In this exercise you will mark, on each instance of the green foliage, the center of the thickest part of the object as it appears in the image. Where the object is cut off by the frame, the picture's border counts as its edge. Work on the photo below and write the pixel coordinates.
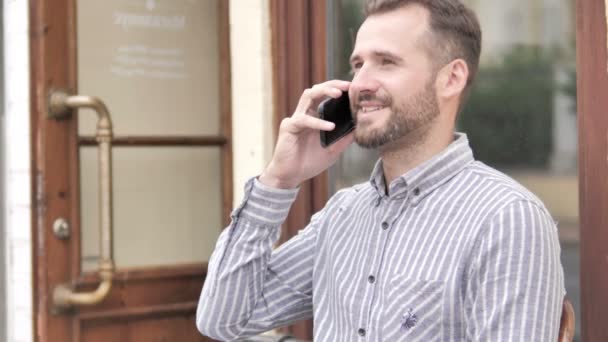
(508, 117)
(350, 18)
(569, 87)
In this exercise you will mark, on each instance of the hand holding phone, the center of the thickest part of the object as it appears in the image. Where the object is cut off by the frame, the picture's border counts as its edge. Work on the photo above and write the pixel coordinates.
(298, 156)
(336, 111)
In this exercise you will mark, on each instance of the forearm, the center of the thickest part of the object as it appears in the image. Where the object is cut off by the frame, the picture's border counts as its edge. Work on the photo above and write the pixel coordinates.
(237, 268)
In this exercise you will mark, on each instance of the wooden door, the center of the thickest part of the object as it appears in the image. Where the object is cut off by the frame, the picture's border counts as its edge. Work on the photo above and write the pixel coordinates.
(162, 70)
(592, 72)
(299, 55)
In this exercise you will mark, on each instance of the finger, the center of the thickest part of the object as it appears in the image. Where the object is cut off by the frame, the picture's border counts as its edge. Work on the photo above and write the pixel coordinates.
(315, 95)
(340, 84)
(312, 95)
(311, 122)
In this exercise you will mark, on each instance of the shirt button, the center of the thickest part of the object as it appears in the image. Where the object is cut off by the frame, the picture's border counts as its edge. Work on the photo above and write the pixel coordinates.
(416, 191)
(385, 225)
(361, 332)
(371, 279)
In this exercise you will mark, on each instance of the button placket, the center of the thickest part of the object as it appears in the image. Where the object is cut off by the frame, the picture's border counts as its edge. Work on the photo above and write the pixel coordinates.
(390, 209)
(383, 208)
(393, 210)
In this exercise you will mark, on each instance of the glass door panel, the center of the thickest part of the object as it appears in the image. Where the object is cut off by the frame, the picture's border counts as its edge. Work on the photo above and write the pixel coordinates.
(155, 63)
(167, 205)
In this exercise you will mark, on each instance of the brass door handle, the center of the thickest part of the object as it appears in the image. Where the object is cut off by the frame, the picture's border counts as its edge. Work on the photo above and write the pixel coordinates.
(60, 106)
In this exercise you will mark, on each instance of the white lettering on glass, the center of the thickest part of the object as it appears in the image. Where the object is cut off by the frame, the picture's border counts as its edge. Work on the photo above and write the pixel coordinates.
(145, 21)
(143, 61)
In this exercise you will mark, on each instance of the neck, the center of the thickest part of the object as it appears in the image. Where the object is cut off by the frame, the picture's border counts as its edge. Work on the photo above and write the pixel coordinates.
(412, 150)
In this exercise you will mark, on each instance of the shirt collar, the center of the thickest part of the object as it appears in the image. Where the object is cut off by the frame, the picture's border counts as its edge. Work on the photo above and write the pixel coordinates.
(426, 177)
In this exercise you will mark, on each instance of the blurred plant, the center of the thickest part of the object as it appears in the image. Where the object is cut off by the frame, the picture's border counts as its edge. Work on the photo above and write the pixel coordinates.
(508, 117)
(350, 17)
(569, 87)
(567, 61)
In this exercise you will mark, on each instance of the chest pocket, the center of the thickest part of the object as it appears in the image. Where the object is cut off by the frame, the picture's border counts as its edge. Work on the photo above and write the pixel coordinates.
(413, 310)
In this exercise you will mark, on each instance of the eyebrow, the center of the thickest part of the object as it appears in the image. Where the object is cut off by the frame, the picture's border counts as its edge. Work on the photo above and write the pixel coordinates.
(377, 53)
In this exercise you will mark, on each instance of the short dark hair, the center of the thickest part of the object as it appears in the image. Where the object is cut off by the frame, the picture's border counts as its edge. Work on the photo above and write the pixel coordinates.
(454, 30)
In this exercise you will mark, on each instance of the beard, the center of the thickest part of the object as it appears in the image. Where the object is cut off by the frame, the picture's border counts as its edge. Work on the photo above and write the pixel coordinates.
(404, 118)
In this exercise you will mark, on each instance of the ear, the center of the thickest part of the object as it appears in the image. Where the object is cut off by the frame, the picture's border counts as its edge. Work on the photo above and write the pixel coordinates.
(452, 79)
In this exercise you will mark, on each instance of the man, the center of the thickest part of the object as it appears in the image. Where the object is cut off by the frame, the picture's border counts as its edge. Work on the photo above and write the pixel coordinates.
(435, 247)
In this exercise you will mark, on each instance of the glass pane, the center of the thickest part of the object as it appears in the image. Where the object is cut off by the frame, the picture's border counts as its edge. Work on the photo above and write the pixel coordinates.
(526, 129)
(167, 205)
(529, 129)
(154, 63)
(356, 163)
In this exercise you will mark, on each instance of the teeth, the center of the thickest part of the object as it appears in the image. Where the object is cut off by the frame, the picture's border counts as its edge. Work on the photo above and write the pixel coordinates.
(370, 109)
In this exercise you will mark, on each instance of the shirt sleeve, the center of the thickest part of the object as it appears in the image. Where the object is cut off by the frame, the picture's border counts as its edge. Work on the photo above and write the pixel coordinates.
(516, 284)
(250, 288)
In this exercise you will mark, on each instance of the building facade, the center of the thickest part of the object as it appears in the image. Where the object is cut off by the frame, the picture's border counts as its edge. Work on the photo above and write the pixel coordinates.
(195, 91)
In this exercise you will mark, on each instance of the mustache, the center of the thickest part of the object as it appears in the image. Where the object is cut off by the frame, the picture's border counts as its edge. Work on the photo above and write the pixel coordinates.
(384, 100)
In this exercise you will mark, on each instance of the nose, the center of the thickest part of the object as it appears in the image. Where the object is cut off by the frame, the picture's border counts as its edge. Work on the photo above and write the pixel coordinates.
(364, 82)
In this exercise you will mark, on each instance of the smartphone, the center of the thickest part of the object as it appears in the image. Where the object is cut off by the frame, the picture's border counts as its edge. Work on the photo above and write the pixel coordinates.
(338, 112)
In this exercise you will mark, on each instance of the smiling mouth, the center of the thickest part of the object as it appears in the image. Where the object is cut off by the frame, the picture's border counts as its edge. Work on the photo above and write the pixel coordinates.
(366, 110)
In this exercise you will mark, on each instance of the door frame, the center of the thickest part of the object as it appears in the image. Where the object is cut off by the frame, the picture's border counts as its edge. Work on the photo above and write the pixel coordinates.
(592, 85)
(55, 190)
(299, 61)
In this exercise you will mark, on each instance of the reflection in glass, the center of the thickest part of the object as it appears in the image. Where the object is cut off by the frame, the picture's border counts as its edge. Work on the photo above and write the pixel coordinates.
(154, 63)
(167, 207)
(521, 114)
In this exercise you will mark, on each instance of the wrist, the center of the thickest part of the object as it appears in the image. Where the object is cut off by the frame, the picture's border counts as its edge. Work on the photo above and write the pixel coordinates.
(272, 181)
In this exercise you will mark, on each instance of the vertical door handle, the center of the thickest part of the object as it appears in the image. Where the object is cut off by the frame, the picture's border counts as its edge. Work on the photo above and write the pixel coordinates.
(60, 106)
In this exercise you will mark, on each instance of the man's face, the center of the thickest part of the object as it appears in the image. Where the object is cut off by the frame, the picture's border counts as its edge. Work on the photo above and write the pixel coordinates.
(393, 89)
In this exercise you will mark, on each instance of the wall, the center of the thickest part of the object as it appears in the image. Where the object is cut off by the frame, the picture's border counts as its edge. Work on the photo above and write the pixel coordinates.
(2, 189)
(252, 104)
(16, 175)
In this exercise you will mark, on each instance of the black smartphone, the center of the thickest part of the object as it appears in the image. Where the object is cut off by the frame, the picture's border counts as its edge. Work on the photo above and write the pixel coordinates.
(338, 112)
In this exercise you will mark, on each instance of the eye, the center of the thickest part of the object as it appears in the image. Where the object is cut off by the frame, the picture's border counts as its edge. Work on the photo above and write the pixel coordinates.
(386, 61)
(355, 67)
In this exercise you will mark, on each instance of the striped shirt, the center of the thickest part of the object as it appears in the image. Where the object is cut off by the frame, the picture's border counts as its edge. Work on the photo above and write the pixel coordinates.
(456, 251)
